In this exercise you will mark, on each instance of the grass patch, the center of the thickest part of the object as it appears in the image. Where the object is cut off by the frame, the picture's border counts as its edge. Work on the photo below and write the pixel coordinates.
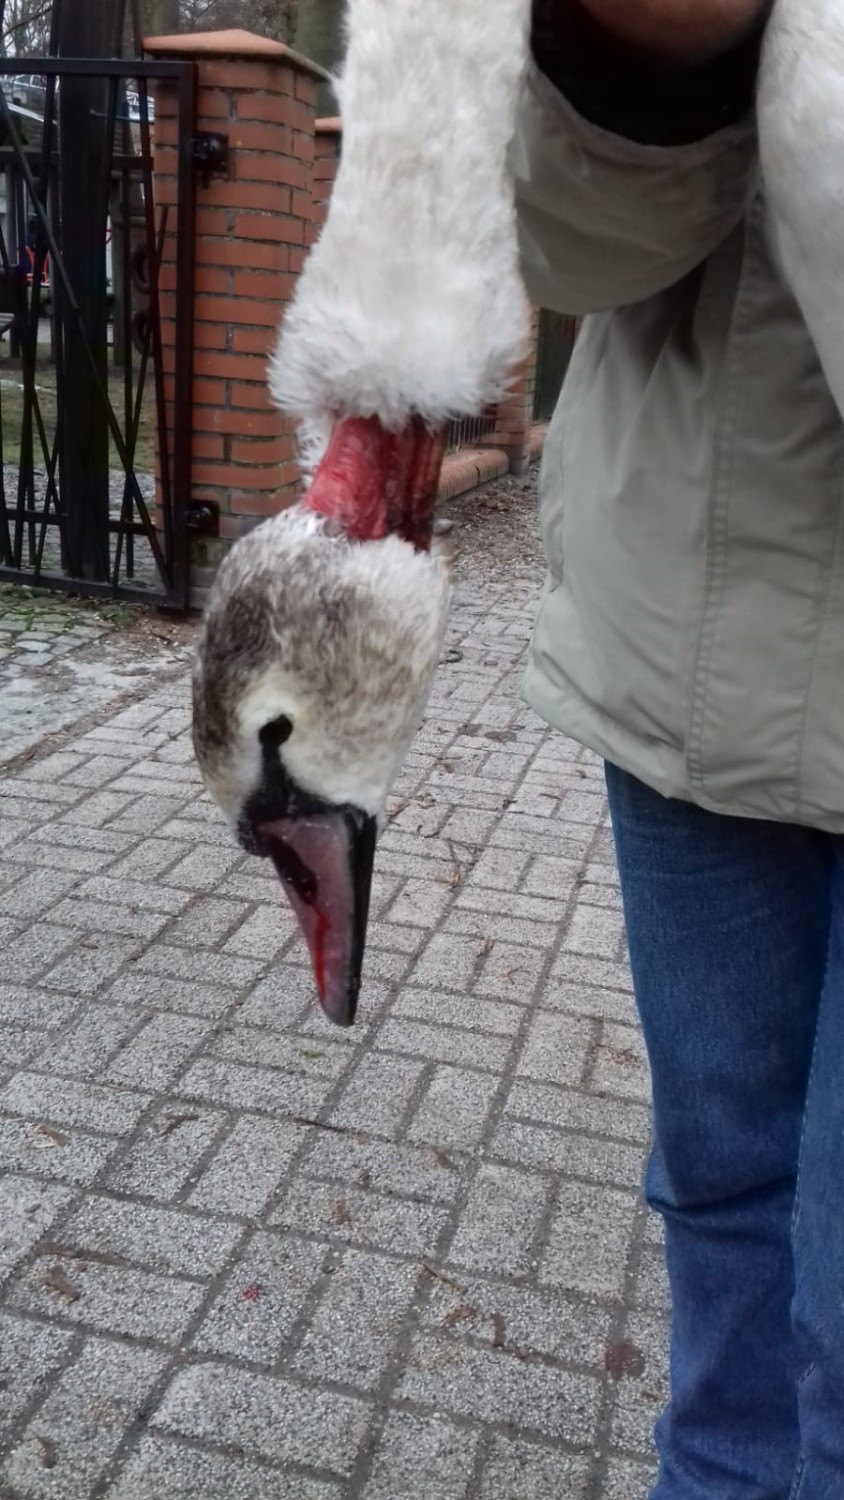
(12, 404)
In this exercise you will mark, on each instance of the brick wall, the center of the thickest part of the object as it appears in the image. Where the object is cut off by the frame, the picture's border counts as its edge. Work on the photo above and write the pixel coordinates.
(327, 144)
(253, 227)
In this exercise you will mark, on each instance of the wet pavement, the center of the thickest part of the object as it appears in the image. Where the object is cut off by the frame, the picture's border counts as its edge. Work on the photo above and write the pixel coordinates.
(244, 1256)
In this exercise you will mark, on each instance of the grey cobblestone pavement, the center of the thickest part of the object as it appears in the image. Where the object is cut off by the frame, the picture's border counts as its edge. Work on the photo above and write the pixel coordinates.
(244, 1256)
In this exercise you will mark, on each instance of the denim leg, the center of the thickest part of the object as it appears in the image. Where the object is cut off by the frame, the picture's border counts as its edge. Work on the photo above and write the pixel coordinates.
(728, 926)
(819, 1235)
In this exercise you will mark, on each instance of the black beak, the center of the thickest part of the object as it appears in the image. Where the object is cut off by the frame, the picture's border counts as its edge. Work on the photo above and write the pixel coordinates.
(324, 861)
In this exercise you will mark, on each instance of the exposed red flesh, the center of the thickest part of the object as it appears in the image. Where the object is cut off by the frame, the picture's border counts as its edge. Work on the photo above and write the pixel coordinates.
(326, 871)
(373, 482)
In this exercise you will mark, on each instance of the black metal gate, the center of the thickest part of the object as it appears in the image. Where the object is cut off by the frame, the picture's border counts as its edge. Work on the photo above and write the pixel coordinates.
(84, 382)
(555, 341)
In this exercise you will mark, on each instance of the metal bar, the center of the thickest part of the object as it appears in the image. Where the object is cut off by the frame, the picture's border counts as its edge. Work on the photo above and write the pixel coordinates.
(165, 476)
(100, 67)
(185, 287)
(60, 583)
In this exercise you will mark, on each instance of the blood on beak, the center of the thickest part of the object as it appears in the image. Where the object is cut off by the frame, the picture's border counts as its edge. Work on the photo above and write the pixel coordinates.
(324, 861)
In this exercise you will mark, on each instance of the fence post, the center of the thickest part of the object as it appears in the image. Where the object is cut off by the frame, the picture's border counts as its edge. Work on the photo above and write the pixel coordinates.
(252, 227)
(514, 418)
(328, 145)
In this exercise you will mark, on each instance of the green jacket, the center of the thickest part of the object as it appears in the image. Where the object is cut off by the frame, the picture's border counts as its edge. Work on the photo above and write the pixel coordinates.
(692, 624)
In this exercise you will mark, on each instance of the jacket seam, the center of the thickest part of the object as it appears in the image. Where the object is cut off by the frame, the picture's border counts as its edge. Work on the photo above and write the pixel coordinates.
(720, 495)
(823, 621)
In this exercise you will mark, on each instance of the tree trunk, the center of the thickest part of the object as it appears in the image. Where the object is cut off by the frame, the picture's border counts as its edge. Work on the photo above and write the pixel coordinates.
(319, 36)
(161, 17)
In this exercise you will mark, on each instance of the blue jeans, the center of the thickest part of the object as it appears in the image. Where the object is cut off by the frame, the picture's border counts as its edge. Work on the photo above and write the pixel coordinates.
(736, 933)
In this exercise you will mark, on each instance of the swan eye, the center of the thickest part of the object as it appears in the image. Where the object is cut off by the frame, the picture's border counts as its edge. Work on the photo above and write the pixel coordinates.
(274, 734)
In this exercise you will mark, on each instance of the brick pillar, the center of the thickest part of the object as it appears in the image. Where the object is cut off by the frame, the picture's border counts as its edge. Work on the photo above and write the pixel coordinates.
(515, 414)
(327, 147)
(253, 225)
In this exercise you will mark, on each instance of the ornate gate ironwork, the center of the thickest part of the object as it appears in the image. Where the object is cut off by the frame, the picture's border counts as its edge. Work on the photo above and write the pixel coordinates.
(555, 342)
(84, 385)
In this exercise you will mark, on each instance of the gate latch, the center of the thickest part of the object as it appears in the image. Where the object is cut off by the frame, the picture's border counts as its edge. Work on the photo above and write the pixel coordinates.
(209, 153)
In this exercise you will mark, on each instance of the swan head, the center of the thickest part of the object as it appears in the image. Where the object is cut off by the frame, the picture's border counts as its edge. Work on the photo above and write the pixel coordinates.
(314, 664)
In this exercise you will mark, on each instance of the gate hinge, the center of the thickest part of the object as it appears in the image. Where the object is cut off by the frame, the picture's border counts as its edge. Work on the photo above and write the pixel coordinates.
(203, 518)
(209, 153)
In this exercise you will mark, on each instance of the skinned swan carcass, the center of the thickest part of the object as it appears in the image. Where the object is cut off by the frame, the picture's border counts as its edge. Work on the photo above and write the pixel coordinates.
(325, 623)
(801, 138)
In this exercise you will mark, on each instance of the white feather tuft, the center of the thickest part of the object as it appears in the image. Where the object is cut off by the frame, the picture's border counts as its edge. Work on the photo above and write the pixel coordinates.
(411, 302)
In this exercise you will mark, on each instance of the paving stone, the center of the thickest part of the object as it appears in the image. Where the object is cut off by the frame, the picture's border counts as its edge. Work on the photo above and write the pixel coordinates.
(448, 962)
(492, 1385)
(83, 1420)
(447, 1044)
(279, 1001)
(207, 922)
(422, 903)
(27, 1006)
(95, 957)
(289, 1054)
(526, 1320)
(361, 1217)
(160, 1239)
(594, 930)
(621, 1064)
(98, 916)
(163, 1157)
(146, 991)
(378, 1095)
(406, 1171)
(627, 1480)
(271, 1416)
(556, 1049)
(463, 922)
(453, 1111)
(420, 1458)
(527, 1471)
(652, 1282)
(65, 1102)
(544, 1149)
(153, 1057)
(510, 973)
(499, 1222)
(232, 1086)
(27, 954)
(590, 1000)
(67, 1155)
(109, 1298)
(30, 1353)
(27, 1209)
(576, 1110)
(136, 895)
(584, 969)
(475, 1012)
(219, 969)
(248, 1166)
(590, 1240)
(266, 932)
(160, 1467)
(640, 1399)
(358, 1320)
(89, 1044)
(31, 895)
(262, 1297)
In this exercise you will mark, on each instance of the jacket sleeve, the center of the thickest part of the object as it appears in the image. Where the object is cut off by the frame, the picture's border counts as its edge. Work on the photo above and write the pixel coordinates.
(604, 220)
